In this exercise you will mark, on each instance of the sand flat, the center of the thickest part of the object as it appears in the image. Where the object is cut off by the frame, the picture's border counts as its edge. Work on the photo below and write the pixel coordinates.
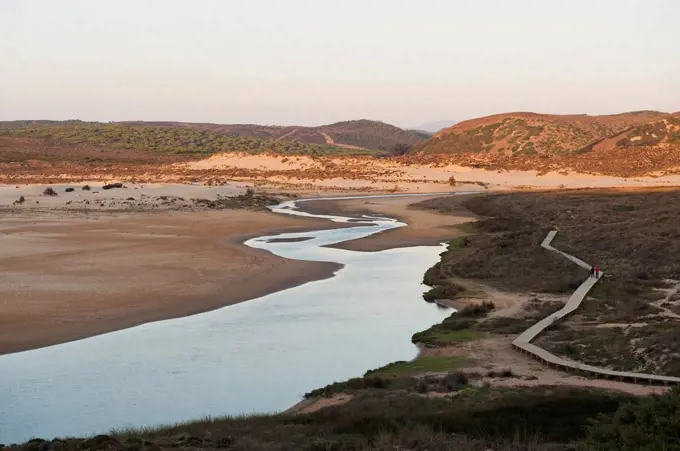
(68, 276)
(425, 227)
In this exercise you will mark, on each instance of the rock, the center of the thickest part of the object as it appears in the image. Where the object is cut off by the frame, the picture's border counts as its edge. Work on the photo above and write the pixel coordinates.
(70, 190)
(130, 198)
(112, 185)
(86, 188)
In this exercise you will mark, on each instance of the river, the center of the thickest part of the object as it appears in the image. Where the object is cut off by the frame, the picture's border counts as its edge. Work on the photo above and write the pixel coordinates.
(257, 356)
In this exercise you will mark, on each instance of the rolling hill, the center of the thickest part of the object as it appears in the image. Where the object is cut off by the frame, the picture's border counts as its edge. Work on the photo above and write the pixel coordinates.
(358, 134)
(632, 143)
(362, 137)
(530, 133)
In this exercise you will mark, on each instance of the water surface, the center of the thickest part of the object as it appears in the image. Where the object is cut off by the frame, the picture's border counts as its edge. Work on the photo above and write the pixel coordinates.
(257, 356)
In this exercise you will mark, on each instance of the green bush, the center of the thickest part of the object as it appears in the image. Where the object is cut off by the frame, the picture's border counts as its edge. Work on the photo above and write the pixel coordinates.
(650, 423)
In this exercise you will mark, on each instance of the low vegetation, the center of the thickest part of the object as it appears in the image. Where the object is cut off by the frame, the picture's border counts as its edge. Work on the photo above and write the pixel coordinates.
(650, 423)
(628, 321)
(373, 135)
(362, 137)
(476, 419)
(529, 141)
(167, 140)
(457, 328)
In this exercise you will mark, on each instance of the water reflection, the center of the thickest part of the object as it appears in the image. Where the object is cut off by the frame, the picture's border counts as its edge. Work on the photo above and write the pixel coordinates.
(258, 356)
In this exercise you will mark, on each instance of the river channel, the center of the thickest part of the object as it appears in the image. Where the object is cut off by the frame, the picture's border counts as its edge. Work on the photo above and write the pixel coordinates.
(257, 356)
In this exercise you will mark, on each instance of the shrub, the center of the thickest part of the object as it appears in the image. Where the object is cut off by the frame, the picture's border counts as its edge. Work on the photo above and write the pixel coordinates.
(49, 191)
(507, 373)
(455, 380)
(86, 188)
(477, 310)
(650, 423)
(112, 185)
(452, 181)
(448, 291)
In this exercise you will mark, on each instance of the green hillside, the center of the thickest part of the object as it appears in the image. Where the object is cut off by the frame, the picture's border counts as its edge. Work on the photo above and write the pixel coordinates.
(163, 139)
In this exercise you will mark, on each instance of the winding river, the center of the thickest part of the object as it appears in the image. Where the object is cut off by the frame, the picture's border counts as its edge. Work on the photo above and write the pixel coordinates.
(257, 356)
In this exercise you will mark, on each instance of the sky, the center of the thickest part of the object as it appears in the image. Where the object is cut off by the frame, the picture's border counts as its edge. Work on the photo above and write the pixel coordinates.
(311, 62)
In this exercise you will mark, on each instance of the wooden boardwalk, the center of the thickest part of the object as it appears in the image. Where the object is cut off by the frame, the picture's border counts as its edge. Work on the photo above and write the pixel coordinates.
(523, 342)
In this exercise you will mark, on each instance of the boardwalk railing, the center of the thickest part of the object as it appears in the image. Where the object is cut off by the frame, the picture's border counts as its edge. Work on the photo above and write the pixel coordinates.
(523, 342)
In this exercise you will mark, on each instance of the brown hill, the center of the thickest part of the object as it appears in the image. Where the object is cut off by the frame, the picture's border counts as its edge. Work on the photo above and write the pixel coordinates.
(530, 133)
(358, 134)
(623, 144)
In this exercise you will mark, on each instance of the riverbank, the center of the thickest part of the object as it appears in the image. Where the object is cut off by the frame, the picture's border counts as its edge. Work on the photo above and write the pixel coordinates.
(484, 275)
(85, 262)
(69, 275)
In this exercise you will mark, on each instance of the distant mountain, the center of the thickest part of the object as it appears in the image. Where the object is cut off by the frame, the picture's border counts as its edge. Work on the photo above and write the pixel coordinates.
(436, 126)
(357, 134)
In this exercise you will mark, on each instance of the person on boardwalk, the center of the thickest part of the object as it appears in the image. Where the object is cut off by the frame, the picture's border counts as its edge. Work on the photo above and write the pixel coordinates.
(592, 271)
(597, 272)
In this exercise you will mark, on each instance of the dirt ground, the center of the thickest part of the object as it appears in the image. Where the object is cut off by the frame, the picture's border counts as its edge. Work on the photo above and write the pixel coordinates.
(495, 353)
(70, 275)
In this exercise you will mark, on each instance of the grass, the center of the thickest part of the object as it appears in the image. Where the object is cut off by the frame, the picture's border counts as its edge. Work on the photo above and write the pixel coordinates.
(477, 419)
(468, 227)
(438, 337)
(460, 327)
(427, 364)
(632, 236)
(173, 140)
(395, 375)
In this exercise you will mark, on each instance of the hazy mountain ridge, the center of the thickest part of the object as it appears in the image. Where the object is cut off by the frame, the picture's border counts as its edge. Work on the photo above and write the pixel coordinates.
(435, 126)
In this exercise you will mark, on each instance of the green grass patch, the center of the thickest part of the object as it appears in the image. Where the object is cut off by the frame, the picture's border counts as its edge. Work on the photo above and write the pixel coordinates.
(468, 227)
(428, 364)
(438, 337)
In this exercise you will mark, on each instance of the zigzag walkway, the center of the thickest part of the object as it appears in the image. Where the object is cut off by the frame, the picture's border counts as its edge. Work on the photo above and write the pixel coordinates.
(523, 342)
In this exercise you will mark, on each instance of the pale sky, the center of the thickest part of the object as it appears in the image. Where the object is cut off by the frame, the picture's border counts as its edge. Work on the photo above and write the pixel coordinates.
(311, 62)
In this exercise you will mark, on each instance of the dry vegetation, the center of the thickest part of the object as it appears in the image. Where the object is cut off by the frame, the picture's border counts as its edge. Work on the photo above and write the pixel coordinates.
(350, 137)
(589, 144)
(475, 420)
(628, 322)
